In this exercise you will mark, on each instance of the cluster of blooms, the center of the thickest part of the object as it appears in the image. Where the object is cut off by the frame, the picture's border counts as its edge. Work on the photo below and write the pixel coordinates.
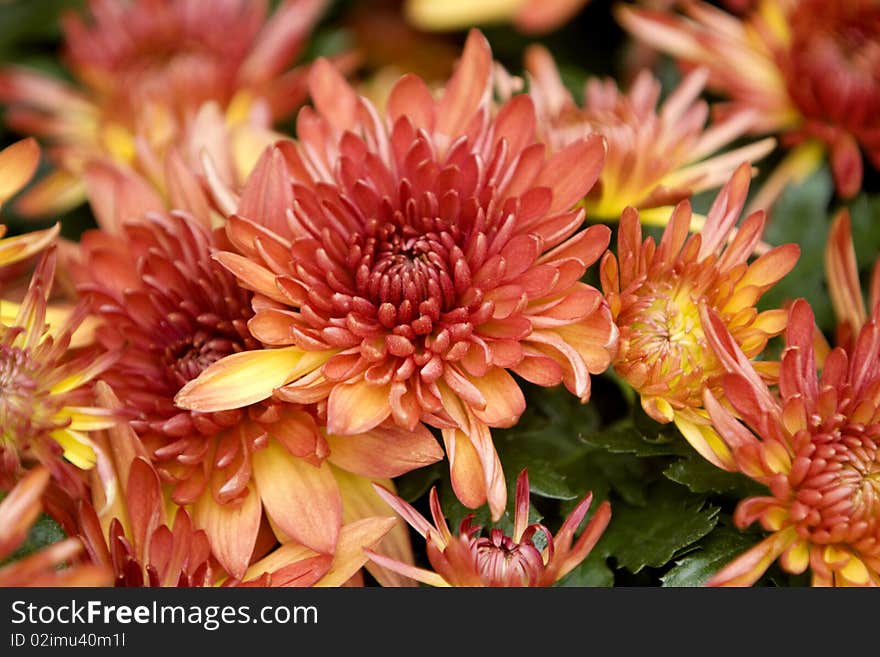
(265, 330)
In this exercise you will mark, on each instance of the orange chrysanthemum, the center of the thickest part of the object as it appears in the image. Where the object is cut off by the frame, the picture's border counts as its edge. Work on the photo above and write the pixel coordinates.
(655, 292)
(173, 311)
(46, 398)
(810, 68)
(657, 156)
(404, 265)
(130, 530)
(471, 559)
(146, 70)
(816, 446)
(54, 565)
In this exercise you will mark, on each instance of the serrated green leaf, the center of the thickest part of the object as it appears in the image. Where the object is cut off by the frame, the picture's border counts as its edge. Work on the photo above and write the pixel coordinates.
(654, 534)
(627, 439)
(714, 552)
(700, 476)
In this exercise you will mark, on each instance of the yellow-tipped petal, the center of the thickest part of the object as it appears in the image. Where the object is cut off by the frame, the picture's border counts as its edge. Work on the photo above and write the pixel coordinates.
(246, 378)
(354, 538)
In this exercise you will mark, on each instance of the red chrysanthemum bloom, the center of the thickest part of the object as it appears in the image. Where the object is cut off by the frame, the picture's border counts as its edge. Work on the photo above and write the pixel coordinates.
(47, 406)
(655, 292)
(129, 530)
(173, 311)
(811, 68)
(471, 559)
(145, 70)
(657, 155)
(414, 261)
(815, 444)
(58, 564)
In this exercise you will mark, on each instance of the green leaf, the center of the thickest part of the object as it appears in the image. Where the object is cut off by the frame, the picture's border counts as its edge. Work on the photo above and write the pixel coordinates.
(652, 535)
(593, 572)
(412, 485)
(45, 531)
(714, 552)
(801, 216)
(625, 438)
(700, 476)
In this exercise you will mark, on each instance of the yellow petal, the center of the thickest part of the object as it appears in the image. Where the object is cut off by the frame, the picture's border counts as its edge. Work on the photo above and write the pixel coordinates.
(77, 448)
(247, 377)
(350, 554)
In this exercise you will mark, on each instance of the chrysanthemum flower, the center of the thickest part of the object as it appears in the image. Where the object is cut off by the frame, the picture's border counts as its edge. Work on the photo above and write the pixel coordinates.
(810, 69)
(471, 559)
(173, 311)
(655, 292)
(144, 69)
(145, 542)
(816, 446)
(844, 284)
(657, 156)
(404, 265)
(527, 16)
(55, 565)
(18, 162)
(46, 396)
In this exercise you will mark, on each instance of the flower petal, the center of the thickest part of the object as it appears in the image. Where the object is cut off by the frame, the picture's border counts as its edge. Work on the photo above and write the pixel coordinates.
(302, 500)
(246, 378)
(231, 528)
(386, 451)
(357, 407)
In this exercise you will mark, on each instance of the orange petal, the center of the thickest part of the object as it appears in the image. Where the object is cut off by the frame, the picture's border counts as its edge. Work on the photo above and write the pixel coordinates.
(351, 554)
(360, 500)
(504, 399)
(302, 500)
(468, 87)
(748, 567)
(357, 407)
(18, 163)
(386, 451)
(232, 528)
(267, 194)
(573, 171)
(334, 98)
(54, 194)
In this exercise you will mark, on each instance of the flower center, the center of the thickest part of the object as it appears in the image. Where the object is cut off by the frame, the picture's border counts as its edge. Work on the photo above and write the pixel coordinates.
(503, 562)
(841, 502)
(666, 333)
(18, 390)
(185, 359)
(405, 264)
